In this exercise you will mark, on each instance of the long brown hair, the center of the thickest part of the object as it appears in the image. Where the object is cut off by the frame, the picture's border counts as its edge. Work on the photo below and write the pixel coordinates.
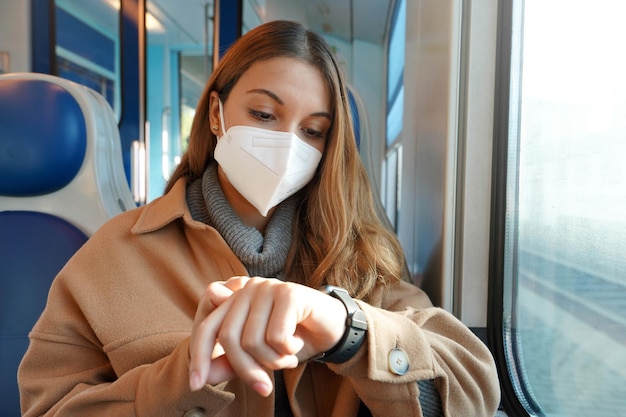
(338, 237)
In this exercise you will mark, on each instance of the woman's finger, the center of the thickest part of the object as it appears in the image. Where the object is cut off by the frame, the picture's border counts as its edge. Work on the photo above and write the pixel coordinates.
(256, 339)
(221, 370)
(246, 364)
(236, 283)
(203, 341)
(214, 295)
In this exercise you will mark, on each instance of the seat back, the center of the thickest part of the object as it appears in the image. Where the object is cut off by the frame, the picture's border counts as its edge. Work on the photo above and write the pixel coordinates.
(61, 178)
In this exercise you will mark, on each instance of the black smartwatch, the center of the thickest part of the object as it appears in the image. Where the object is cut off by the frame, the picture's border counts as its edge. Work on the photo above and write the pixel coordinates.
(356, 328)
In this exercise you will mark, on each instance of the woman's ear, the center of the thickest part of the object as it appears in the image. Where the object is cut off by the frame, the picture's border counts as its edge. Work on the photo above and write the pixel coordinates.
(214, 113)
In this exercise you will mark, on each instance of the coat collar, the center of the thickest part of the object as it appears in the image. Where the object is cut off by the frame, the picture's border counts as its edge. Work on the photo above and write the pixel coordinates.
(166, 209)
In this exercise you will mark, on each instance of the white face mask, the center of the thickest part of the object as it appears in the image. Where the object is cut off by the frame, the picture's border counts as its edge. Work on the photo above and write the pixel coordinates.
(265, 166)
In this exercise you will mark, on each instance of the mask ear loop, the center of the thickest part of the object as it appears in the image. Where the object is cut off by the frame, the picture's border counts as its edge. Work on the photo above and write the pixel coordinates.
(221, 111)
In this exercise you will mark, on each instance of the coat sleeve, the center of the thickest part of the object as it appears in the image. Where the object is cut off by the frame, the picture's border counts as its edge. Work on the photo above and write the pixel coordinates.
(83, 361)
(438, 347)
(86, 384)
(66, 373)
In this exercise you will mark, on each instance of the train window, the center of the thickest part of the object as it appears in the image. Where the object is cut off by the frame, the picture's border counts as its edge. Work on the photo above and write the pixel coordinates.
(87, 46)
(178, 63)
(564, 292)
(395, 112)
(253, 14)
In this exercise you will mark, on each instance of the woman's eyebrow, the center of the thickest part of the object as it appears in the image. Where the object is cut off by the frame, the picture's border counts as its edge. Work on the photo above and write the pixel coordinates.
(323, 114)
(268, 93)
(282, 103)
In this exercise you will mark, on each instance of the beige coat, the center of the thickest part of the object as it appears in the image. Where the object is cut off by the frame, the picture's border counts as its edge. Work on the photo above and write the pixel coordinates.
(113, 339)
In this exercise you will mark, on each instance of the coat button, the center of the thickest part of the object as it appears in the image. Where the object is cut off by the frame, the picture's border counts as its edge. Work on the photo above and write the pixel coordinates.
(398, 361)
(195, 412)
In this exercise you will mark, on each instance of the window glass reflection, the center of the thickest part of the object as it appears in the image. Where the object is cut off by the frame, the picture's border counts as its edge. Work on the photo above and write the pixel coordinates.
(178, 63)
(566, 232)
(392, 168)
(87, 45)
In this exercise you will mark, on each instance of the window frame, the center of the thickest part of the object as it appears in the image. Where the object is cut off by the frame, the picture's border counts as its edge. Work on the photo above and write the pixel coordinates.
(495, 317)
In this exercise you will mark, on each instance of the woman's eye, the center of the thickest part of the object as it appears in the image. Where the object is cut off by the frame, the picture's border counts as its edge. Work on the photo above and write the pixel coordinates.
(313, 133)
(259, 115)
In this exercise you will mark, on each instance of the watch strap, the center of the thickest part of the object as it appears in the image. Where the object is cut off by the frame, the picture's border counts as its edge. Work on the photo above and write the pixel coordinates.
(356, 329)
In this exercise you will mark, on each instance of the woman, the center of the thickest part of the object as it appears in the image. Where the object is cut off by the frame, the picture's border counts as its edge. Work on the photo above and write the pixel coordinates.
(207, 301)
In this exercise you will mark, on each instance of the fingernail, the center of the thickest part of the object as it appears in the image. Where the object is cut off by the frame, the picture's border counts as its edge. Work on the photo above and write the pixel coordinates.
(262, 388)
(293, 363)
(195, 381)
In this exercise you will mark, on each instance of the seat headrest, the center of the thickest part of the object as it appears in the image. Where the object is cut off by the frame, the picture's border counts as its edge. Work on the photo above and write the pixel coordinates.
(42, 137)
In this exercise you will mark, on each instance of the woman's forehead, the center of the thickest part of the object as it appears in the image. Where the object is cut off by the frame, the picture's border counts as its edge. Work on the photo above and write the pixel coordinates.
(286, 79)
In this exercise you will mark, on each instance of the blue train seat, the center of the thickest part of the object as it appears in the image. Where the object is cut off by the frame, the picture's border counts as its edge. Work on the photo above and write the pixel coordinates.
(61, 178)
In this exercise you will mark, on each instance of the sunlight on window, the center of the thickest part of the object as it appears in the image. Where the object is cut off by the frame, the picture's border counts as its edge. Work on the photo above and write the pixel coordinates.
(568, 234)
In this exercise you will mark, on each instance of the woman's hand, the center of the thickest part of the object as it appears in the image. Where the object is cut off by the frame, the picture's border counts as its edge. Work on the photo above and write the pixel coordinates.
(245, 326)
